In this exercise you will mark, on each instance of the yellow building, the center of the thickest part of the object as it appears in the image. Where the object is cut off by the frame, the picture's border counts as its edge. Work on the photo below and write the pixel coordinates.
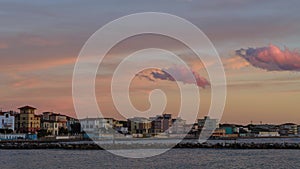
(27, 121)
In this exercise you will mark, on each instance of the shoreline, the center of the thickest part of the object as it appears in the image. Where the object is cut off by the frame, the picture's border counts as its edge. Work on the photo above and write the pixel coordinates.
(90, 145)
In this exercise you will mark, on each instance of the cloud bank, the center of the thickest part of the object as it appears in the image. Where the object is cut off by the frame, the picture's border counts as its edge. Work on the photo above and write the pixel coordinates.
(272, 58)
(180, 72)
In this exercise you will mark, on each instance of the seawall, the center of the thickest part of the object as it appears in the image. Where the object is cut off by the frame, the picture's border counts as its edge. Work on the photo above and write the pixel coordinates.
(93, 146)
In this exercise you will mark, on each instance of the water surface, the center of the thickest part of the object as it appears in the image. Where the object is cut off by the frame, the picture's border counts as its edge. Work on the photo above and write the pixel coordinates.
(175, 158)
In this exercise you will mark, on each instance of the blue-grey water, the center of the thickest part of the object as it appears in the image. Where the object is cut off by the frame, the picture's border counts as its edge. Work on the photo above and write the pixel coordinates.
(175, 158)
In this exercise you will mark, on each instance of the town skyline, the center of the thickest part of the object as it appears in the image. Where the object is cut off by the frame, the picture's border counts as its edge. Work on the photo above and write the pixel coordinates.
(122, 119)
(27, 124)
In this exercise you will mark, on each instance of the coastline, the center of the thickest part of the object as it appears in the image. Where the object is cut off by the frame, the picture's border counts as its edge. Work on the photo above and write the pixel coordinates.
(252, 143)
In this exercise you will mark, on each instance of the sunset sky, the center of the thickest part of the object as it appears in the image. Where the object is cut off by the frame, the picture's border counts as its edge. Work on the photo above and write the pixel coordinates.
(258, 42)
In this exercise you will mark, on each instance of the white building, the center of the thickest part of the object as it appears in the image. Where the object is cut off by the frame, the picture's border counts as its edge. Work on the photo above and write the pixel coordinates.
(268, 134)
(7, 121)
(97, 126)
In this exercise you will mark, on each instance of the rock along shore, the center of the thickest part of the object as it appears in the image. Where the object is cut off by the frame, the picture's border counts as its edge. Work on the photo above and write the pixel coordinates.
(93, 146)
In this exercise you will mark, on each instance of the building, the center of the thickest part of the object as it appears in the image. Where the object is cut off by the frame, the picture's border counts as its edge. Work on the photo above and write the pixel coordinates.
(121, 127)
(161, 124)
(97, 127)
(54, 124)
(288, 129)
(193, 130)
(178, 126)
(27, 121)
(60, 119)
(12, 136)
(7, 121)
(207, 124)
(244, 132)
(268, 134)
(73, 125)
(219, 132)
(229, 128)
(48, 125)
(51, 127)
(139, 126)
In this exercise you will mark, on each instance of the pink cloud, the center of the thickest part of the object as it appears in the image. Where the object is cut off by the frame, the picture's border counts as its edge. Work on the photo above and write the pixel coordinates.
(181, 73)
(272, 58)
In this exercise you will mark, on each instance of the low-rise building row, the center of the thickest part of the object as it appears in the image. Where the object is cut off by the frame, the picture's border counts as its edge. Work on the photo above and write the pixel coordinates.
(26, 121)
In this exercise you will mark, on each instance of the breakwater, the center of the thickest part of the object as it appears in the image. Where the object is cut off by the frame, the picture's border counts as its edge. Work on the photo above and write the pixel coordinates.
(93, 146)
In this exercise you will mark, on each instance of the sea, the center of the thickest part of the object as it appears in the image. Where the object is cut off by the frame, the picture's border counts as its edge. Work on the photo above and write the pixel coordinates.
(171, 159)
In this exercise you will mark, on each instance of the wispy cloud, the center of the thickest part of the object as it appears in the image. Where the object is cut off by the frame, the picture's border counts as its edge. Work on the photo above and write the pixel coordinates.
(26, 83)
(37, 66)
(272, 58)
(35, 40)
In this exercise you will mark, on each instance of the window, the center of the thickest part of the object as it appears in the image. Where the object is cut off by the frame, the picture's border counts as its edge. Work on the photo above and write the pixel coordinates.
(7, 115)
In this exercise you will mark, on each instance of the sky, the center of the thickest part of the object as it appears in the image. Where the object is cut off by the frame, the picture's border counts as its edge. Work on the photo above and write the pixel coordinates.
(258, 42)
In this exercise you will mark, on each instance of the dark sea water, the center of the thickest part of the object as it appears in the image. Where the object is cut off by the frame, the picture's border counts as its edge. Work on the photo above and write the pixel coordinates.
(175, 158)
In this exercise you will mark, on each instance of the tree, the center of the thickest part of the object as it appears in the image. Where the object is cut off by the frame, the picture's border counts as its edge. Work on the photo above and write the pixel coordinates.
(75, 128)
(6, 131)
(42, 133)
(62, 131)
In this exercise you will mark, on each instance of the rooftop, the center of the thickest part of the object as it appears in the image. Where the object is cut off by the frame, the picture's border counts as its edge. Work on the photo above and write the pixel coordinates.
(26, 108)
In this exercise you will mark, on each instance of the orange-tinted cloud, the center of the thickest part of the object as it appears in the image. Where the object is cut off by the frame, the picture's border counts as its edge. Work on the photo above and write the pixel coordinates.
(272, 58)
(235, 62)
